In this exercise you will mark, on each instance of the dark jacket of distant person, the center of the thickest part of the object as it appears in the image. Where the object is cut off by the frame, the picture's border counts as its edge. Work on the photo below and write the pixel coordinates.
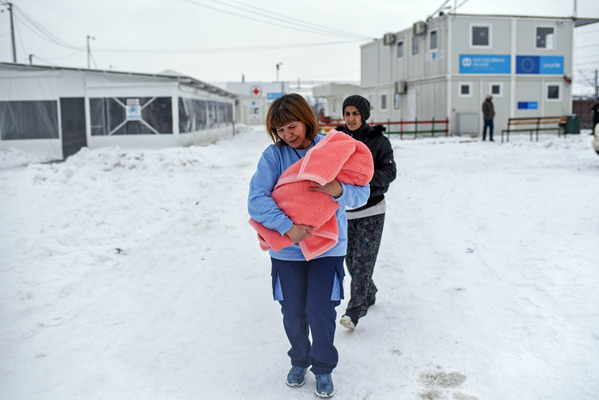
(385, 170)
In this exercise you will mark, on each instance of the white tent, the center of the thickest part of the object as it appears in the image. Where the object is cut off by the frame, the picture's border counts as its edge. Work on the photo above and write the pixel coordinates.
(56, 111)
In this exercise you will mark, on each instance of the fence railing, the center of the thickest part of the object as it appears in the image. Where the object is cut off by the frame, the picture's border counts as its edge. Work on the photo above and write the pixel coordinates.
(401, 128)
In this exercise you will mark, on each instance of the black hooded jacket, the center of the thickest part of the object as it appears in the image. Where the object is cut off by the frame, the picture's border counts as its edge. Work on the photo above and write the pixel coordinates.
(382, 155)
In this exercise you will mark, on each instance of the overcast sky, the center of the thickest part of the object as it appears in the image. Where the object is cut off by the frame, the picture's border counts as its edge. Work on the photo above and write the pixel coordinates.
(217, 41)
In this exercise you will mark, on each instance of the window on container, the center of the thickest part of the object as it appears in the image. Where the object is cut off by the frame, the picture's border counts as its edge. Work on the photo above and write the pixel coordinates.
(553, 92)
(383, 102)
(192, 115)
(434, 40)
(399, 49)
(29, 120)
(221, 113)
(496, 89)
(212, 114)
(185, 115)
(480, 36)
(545, 38)
(396, 101)
(225, 113)
(111, 116)
(465, 89)
(415, 45)
(201, 115)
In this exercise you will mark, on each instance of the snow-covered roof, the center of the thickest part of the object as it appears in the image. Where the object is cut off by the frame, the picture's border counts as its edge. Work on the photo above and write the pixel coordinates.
(168, 74)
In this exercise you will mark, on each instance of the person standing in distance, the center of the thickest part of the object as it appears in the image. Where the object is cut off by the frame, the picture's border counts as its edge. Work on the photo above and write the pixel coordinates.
(365, 224)
(488, 115)
(595, 111)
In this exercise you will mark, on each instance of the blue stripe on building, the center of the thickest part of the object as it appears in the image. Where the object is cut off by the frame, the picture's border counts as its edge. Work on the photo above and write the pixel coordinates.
(485, 64)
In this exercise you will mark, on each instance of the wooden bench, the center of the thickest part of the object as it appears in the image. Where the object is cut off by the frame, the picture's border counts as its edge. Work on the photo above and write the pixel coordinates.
(534, 124)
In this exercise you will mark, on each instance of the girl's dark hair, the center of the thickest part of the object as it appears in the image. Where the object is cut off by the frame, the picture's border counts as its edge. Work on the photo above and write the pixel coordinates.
(290, 108)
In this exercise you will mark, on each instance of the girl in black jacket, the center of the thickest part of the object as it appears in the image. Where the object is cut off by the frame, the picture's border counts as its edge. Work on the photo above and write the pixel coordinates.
(365, 224)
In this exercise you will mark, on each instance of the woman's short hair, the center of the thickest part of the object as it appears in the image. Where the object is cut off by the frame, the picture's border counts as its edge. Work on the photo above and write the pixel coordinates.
(290, 108)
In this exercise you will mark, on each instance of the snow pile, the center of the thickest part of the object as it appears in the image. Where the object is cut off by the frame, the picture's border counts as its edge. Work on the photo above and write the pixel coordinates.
(135, 275)
(11, 157)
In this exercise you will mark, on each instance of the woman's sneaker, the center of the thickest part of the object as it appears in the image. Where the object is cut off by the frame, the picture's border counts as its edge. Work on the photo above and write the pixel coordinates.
(324, 386)
(295, 377)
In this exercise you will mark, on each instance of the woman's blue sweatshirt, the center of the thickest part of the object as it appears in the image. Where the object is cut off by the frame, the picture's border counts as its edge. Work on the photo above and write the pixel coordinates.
(262, 208)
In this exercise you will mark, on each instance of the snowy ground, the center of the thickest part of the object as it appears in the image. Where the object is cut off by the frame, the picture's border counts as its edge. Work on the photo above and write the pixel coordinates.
(134, 275)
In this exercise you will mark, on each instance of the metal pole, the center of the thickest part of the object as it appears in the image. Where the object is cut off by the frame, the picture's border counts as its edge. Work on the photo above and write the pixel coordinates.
(596, 86)
(89, 50)
(401, 128)
(416, 127)
(12, 34)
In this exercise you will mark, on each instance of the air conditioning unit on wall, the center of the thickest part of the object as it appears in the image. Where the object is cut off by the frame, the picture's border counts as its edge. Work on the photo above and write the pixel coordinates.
(388, 39)
(419, 28)
(401, 87)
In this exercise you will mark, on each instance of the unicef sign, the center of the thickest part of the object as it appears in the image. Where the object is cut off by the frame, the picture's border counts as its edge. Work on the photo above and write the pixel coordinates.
(550, 65)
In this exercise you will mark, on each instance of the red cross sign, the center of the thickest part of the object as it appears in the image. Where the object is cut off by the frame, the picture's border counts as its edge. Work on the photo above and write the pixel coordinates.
(256, 91)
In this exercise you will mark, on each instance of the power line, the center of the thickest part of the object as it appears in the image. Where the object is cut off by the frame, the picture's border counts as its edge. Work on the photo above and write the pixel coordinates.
(307, 27)
(224, 49)
(585, 33)
(336, 75)
(588, 46)
(39, 30)
(277, 16)
(587, 56)
(42, 32)
(585, 78)
(65, 56)
(587, 63)
(46, 61)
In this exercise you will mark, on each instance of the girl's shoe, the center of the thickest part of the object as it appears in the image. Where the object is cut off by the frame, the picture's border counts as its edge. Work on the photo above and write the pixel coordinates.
(347, 322)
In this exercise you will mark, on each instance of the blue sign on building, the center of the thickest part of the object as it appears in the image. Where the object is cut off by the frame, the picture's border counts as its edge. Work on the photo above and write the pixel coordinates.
(546, 65)
(273, 95)
(484, 64)
(528, 105)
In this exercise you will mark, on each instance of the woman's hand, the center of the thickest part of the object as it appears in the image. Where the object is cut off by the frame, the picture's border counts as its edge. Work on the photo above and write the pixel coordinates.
(333, 188)
(297, 233)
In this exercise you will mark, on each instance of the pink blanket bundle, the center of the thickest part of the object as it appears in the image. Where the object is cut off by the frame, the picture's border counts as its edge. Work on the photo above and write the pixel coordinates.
(337, 155)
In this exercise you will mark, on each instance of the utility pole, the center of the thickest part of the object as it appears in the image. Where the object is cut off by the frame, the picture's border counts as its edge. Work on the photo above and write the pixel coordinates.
(282, 83)
(12, 34)
(88, 50)
(596, 86)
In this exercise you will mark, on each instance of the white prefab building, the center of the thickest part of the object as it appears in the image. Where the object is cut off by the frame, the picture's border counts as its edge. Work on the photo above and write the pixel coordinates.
(445, 67)
(56, 111)
(254, 98)
(333, 95)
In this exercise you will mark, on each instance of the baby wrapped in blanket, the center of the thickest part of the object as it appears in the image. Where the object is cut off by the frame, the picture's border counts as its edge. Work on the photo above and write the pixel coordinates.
(336, 156)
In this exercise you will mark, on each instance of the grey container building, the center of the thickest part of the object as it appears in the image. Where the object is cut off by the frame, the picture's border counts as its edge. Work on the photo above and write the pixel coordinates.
(445, 67)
